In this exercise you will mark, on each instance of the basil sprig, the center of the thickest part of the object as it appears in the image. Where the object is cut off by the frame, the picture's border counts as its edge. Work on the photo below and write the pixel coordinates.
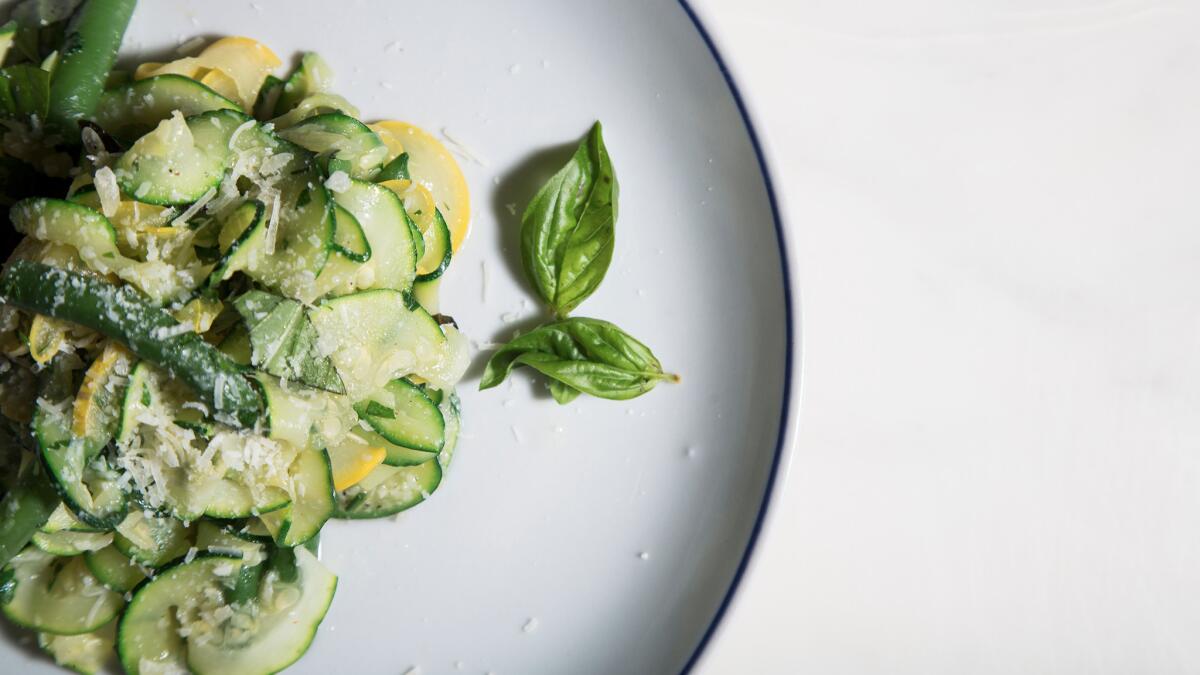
(581, 355)
(566, 247)
(567, 230)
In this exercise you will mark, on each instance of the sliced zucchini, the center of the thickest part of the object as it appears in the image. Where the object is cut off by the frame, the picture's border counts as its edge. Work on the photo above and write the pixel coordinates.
(349, 240)
(283, 244)
(46, 338)
(350, 146)
(389, 490)
(285, 629)
(185, 492)
(268, 98)
(62, 520)
(84, 480)
(341, 277)
(312, 76)
(435, 235)
(56, 595)
(374, 337)
(62, 222)
(426, 294)
(219, 539)
(132, 109)
(142, 395)
(383, 218)
(315, 104)
(312, 501)
(404, 415)
(246, 62)
(114, 569)
(242, 238)
(86, 653)
(225, 498)
(93, 237)
(437, 250)
(148, 640)
(180, 160)
(71, 543)
(452, 412)
(151, 540)
(284, 616)
(394, 454)
(305, 417)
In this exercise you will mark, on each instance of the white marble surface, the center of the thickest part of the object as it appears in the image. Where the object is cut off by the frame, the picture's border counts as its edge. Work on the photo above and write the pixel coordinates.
(997, 226)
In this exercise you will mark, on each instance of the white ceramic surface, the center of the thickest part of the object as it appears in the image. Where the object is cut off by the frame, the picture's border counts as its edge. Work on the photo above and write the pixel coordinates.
(599, 537)
(994, 207)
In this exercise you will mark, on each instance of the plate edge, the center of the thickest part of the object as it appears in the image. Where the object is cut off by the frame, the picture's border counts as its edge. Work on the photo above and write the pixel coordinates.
(789, 413)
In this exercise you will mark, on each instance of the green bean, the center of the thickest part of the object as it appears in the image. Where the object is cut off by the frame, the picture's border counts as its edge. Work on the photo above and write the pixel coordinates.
(124, 314)
(88, 53)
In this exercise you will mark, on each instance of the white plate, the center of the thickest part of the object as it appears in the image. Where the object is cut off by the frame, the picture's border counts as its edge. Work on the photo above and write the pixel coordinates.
(529, 559)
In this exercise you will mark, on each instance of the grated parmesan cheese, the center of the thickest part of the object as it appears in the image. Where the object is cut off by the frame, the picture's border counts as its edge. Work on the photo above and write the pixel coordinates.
(338, 181)
(195, 207)
(108, 191)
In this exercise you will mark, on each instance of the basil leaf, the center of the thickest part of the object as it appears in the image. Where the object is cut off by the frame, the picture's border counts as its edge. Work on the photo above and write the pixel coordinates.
(24, 92)
(587, 355)
(284, 343)
(562, 393)
(567, 230)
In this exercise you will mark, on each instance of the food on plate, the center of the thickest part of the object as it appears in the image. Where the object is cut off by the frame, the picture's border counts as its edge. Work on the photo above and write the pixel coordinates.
(217, 333)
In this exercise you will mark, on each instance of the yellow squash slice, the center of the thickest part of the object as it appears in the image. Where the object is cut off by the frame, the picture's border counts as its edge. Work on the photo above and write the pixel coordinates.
(46, 337)
(352, 461)
(433, 167)
(92, 407)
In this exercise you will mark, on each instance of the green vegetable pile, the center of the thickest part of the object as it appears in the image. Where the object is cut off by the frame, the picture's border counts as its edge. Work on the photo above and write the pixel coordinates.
(219, 330)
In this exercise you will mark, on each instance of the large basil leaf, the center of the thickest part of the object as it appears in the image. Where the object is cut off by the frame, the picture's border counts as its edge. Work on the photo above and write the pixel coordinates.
(581, 355)
(567, 230)
(284, 343)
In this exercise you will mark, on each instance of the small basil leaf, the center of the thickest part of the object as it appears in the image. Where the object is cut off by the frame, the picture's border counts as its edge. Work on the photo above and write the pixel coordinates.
(567, 230)
(589, 355)
(284, 343)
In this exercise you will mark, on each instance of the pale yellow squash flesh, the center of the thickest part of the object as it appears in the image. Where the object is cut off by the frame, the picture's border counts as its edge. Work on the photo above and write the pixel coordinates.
(352, 461)
(46, 337)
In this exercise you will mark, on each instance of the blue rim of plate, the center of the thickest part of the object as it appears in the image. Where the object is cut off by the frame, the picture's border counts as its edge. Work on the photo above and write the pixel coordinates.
(784, 415)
